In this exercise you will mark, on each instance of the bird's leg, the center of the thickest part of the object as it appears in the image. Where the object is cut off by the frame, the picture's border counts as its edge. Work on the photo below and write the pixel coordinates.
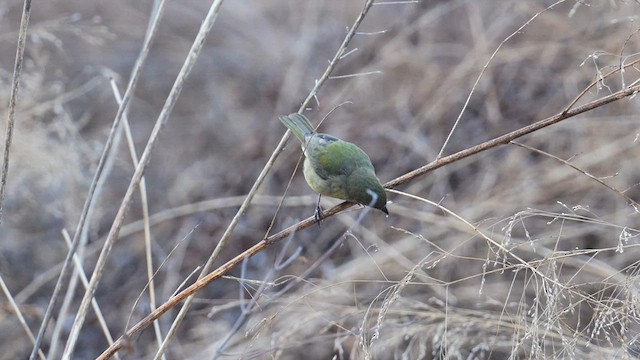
(318, 213)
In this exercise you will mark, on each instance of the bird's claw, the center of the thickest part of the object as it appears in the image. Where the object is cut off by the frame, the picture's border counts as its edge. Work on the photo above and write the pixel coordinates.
(318, 214)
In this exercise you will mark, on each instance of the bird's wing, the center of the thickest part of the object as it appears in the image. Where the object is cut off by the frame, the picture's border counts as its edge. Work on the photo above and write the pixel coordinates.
(331, 156)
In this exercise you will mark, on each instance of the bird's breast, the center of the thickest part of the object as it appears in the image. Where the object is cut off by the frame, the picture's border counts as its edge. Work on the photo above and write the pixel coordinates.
(333, 185)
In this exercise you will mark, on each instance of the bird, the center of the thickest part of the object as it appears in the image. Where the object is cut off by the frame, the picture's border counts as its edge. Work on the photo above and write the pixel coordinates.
(336, 168)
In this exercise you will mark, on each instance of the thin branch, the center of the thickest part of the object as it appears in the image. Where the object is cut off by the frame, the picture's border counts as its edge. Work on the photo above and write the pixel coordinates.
(85, 282)
(484, 68)
(145, 213)
(583, 92)
(504, 139)
(625, 196)
(339, 54)
(15, 86)
(355, 75)
(13, 99)
(16, 310)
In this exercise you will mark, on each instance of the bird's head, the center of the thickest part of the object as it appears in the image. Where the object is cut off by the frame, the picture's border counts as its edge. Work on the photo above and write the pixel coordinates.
(364, 187)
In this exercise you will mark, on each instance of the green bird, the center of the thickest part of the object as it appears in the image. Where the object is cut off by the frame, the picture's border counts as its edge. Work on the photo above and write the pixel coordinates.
(336, 168)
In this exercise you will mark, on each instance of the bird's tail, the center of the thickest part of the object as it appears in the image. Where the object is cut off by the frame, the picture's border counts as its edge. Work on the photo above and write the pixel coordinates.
(298, 124)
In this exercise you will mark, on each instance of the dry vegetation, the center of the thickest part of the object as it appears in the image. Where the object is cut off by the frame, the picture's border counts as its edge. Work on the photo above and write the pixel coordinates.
(516, 252)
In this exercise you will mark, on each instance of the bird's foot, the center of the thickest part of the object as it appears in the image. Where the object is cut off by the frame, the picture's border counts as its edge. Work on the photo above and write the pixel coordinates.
(318, 214)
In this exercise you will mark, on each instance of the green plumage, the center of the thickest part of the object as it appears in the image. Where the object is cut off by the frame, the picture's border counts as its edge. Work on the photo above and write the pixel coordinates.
(335, 167)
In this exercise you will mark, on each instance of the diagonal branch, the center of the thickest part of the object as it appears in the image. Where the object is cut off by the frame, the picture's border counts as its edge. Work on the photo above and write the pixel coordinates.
(506, 138)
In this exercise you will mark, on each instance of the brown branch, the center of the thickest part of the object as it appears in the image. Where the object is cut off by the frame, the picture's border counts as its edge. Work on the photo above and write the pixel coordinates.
(506, 138)
(219, 272)
(572, 103)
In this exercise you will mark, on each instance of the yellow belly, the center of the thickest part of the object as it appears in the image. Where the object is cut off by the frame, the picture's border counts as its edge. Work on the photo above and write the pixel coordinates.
(334, 187)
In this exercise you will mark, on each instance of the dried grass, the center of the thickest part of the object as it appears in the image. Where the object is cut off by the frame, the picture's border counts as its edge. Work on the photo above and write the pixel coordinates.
(507, 254)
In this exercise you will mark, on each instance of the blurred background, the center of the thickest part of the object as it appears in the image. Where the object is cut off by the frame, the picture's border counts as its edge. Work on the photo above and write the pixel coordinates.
(419, 284)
